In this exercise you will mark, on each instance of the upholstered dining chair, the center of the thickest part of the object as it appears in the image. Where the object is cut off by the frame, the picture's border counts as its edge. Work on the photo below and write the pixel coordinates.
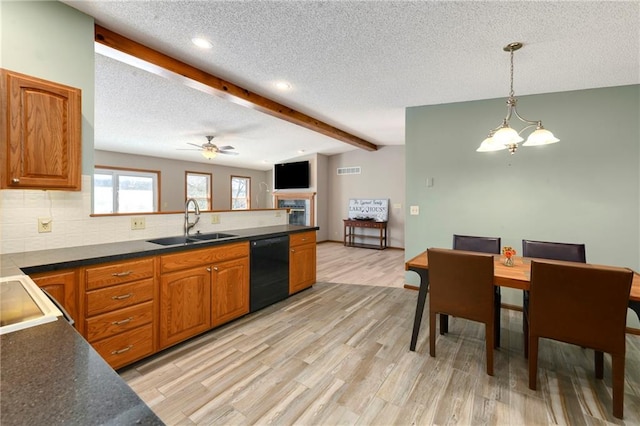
(480, 245)
(584, 305)
(569, 252)
(461, 284)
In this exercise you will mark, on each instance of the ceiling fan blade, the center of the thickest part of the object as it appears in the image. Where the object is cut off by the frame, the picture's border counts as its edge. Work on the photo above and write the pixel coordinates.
(228, 152)
(188, 149)
(224, 148)
(193, 144)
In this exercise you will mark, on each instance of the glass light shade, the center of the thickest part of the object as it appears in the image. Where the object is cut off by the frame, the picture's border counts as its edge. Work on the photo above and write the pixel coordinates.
(209, 154)
(507, 136)
(541, 137)
(489, 145)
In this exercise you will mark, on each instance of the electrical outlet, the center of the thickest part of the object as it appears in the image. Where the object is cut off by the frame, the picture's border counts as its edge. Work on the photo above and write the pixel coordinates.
(44, 224)
(137, 223)
(278, 213)
(414, 210)
(215, 219)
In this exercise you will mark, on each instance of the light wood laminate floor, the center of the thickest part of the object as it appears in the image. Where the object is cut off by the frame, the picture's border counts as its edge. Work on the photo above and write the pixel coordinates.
(338, 353)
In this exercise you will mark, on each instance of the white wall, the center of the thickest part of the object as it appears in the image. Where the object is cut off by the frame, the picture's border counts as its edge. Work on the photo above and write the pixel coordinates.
(382, 177)
(584, 189)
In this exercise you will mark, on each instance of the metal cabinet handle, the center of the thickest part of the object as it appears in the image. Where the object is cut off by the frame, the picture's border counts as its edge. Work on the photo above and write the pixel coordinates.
(208, 269)
(215, 268)
(123, 350)
(121, 297)
(293, 250)
(15, 180)
(122, 322)
(122, 274)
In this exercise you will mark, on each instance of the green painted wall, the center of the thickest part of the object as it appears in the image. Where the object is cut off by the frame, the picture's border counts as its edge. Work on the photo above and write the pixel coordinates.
(584, 189)
(53, 41)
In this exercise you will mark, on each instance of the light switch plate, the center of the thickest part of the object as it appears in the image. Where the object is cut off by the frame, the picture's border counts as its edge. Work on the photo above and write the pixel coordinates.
(215, 219)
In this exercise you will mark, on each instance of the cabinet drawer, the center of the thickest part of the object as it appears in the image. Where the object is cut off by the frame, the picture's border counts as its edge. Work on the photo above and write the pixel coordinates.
(118, 273)
(126, 347)
(302, 238)
(192, 258)
(112, 323)
(117, 297)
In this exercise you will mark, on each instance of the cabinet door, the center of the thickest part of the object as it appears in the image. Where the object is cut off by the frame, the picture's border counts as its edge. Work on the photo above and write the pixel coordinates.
(185, 304)
(230, 290)
(302, 267)
(42, 144)
(63, 287)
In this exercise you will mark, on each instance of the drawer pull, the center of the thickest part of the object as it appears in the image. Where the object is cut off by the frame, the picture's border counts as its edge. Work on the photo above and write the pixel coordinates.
(122, 274)
(293, 250)
(123, 296)
(215, 268)
(15, 180)
(123, 350)
(124, 321)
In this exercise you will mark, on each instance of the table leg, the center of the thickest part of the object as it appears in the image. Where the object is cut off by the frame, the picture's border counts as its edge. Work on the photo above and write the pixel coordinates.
(422, 297)
(444, 323)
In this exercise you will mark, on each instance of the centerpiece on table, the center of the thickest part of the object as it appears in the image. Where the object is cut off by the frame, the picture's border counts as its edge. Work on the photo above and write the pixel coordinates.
(509, 253)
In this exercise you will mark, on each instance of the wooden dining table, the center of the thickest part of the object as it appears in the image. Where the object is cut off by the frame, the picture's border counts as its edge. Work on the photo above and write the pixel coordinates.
(517, 276)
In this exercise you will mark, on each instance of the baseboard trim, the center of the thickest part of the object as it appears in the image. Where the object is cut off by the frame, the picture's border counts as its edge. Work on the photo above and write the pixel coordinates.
(342, 242)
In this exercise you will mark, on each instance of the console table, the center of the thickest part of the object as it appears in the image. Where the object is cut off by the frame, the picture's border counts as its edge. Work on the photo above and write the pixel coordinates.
(350, 226)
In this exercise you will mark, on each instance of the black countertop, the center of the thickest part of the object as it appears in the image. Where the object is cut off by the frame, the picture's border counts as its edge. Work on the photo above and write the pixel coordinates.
(50, 260)
(49, 374)
(52, 376)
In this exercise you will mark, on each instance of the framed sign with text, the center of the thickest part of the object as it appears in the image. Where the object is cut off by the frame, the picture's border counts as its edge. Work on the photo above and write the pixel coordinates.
(369, 209)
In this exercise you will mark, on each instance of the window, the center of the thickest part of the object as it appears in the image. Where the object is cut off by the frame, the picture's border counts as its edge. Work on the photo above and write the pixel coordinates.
(198, 186)
(117, 190)
(240, 193)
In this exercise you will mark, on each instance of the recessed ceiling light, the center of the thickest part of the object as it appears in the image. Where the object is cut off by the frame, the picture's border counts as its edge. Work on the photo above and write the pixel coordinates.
(202, 42)
(300, 151)
(282, 85)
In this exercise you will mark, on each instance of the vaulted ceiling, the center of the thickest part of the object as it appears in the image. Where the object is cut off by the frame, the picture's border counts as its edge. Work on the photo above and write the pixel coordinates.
(354, 65)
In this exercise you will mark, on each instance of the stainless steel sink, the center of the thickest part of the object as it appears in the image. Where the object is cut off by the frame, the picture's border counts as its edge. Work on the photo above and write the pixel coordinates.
(191, 239)
(172, 241)
(213, 236)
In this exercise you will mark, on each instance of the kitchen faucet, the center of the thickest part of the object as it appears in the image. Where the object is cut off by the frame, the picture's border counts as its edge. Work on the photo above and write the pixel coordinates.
(188, 225)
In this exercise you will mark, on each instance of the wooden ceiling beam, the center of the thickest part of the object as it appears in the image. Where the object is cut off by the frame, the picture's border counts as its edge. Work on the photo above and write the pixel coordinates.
(133, 53)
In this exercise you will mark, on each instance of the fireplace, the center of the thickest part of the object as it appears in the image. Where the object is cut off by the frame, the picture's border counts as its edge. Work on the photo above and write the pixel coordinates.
(300, 207)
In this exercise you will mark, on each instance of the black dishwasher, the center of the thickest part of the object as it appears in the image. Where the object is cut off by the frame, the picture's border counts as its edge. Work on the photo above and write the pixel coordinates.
(269, 271)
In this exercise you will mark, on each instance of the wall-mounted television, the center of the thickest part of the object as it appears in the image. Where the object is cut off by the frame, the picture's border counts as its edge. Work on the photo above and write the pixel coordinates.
(291, 175)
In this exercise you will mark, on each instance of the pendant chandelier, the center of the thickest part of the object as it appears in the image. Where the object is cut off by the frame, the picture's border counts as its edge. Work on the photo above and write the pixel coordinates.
(503, 136)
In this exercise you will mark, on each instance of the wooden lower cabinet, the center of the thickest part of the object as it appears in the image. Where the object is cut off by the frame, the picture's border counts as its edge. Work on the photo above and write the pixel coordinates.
(230, 290)
(119, 309)
(302, 261)
(201, 289)
(62, 286)
(185, 304)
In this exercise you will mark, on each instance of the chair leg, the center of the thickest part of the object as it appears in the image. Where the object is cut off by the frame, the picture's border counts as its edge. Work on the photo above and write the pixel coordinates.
(525, 322)
(533, 361)
(496, 318)
(432, 333)
(617, 374)
(598, 358)
(444, 323)
(490, 344)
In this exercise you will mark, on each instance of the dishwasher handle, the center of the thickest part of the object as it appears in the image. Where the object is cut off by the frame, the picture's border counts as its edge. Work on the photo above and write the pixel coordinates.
(270, 241)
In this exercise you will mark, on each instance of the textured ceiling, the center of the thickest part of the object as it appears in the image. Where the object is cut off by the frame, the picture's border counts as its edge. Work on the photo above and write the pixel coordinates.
(354, 65)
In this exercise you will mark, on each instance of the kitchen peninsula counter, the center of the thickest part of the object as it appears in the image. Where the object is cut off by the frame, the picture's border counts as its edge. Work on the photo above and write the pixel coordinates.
(51, 375)
(50, 260)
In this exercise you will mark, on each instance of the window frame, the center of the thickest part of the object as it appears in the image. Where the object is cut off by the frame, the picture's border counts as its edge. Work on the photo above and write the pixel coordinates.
(155, 175)
(209, 177)
(248, 198)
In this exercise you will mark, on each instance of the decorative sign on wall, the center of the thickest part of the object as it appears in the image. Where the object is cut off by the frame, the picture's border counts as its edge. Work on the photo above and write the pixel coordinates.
(369, 209)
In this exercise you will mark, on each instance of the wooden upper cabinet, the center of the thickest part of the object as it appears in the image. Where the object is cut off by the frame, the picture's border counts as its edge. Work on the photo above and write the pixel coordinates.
(41, 124)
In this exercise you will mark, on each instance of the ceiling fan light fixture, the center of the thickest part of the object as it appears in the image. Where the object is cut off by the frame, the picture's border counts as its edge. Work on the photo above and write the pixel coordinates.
(209, 154)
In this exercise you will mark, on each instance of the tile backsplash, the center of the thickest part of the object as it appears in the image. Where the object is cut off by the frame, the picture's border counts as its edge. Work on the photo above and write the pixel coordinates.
(71, 224)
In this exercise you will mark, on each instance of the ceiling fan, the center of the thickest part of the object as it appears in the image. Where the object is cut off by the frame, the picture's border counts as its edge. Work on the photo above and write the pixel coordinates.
(210, 150)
